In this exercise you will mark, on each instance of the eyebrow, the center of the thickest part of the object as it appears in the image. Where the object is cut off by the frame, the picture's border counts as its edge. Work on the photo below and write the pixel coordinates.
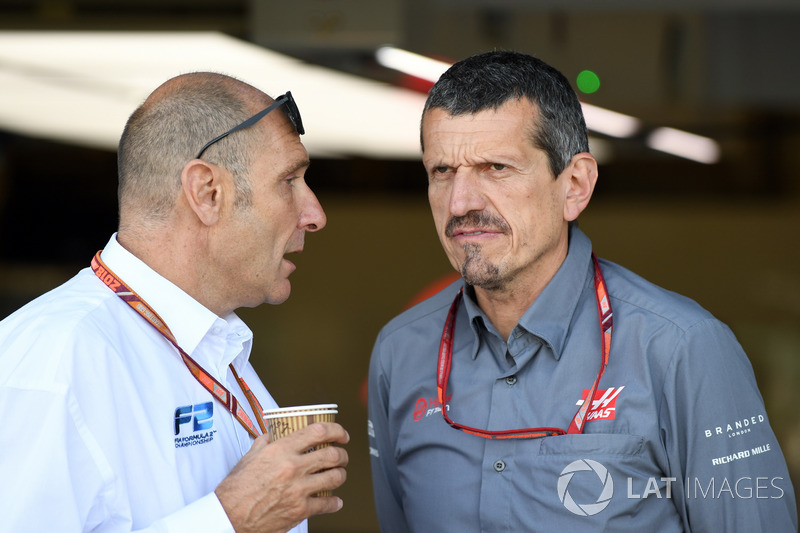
(294, 167)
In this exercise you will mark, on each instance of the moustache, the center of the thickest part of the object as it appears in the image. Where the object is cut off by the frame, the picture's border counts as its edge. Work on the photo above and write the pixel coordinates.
(475, 220)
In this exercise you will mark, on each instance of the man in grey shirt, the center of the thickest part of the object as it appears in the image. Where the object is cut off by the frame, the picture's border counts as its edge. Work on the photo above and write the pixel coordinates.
(547, 389)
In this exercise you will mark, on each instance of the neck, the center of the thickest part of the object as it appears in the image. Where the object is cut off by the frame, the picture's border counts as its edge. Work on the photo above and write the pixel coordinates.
(505, 306)
(173, 258)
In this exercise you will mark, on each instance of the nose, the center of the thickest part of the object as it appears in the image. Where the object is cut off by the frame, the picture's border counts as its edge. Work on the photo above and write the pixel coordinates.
(465, 194)
(312, 216)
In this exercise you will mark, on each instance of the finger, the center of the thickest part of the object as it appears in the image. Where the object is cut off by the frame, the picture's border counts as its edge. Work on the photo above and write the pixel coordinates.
(326, 457)
(328, 480)
(316, 434)
(324, 505)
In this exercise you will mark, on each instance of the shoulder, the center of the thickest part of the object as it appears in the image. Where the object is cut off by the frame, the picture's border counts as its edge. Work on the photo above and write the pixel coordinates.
(631, 294)
(674, 331)
(425, 313)
(410, 339)
(42, 339)
(415, 333)
(673, 340)
(68, 304)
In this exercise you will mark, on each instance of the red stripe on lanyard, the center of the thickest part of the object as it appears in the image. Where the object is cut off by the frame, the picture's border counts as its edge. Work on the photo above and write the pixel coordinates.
(606, 325)
(213, 386)
(445, 361)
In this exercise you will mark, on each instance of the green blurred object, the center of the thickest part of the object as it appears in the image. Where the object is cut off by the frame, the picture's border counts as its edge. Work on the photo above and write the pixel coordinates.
(588, 82)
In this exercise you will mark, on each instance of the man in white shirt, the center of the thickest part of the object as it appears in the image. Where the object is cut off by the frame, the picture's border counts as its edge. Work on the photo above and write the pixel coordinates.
(127, 402)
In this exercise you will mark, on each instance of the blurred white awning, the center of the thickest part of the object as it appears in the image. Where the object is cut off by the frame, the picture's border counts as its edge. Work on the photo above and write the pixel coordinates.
(80, 88)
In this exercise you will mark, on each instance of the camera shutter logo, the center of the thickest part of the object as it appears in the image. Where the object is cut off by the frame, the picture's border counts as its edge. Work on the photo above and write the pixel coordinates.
(585, 509)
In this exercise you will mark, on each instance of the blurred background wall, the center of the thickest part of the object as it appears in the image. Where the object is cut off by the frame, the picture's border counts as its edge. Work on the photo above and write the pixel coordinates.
(724, 233)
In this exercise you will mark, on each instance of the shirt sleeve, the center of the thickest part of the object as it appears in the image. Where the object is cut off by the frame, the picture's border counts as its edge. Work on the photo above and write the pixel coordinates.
(205, 514)
(385, 479)
(56, 483)
(727, 469)
(56, 478)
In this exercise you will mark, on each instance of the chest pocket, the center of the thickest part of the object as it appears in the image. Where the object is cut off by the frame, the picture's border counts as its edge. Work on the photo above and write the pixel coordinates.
(593, 445)
(592, 469)
(584, 482)
(592, 458)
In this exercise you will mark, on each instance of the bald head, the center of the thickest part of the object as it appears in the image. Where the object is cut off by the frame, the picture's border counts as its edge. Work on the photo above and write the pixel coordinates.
(166, 132)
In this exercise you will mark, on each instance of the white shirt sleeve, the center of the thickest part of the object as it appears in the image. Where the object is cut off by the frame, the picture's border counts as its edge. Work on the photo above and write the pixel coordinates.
(61, 480)
(56, 478)
(205, 514)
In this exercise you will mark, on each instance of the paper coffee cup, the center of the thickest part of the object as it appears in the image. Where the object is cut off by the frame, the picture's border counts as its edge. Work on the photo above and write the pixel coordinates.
(285, 420)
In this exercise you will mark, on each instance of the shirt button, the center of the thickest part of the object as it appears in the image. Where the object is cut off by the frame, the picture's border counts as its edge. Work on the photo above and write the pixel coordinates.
(499, 466)
(511, 380)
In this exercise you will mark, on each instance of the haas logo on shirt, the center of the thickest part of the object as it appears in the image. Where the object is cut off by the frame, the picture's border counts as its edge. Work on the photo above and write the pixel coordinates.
(604, 406)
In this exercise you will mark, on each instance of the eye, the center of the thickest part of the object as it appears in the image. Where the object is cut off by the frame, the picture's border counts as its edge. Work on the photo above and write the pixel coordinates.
(497, 166)
(440, 171)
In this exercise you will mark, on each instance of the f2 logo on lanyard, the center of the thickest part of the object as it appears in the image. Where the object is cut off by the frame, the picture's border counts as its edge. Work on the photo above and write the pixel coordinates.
(202, 414)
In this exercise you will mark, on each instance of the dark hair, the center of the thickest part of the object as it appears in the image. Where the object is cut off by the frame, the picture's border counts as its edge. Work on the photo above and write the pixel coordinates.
(488, 80)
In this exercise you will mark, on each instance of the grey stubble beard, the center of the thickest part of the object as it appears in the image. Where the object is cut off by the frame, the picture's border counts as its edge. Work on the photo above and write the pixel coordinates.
(478, 272)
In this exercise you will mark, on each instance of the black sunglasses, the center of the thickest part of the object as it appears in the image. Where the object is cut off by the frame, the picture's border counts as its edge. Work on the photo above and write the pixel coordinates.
(290, 109)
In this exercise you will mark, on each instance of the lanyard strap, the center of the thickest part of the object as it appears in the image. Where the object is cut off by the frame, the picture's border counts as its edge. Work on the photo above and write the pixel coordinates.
(577, 425)
(213, 386)
(605, 315)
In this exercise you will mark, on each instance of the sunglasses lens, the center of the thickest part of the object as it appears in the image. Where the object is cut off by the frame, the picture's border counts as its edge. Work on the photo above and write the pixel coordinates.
(294, 114)
(289, 107)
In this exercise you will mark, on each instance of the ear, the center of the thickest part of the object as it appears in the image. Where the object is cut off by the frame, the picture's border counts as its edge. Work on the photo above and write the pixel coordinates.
(581, 178)
(202, 185)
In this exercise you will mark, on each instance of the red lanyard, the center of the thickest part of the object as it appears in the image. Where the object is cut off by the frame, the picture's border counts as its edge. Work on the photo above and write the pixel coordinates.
(576, 426)
(206, 380)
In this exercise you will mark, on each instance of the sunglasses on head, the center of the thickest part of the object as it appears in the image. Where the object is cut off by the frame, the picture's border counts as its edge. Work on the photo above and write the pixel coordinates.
(290, 108)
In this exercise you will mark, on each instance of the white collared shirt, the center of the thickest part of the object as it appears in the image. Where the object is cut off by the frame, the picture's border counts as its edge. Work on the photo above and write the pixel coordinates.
(102, 426)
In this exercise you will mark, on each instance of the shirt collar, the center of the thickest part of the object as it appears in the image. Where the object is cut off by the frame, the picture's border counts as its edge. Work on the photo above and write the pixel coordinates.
(550, 315)
(188, 320)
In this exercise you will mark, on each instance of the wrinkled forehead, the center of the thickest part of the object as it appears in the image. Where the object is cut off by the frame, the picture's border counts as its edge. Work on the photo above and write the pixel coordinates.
(513, 119)
(523, 109)
(278, 145)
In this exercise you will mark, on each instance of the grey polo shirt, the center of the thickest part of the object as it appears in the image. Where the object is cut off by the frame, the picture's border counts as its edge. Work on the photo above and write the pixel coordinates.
(680, 440)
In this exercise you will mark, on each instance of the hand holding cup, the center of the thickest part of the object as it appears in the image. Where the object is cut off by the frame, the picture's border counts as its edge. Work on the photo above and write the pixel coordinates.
(283, 421)
(278, 482)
